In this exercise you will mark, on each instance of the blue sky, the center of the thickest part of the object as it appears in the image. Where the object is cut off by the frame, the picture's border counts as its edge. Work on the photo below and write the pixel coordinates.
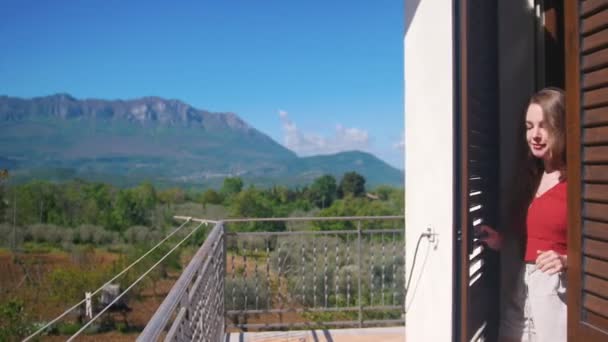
(318, 76)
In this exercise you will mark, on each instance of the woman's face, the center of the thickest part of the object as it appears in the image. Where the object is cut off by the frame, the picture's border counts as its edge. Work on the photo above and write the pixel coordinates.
(537, 133)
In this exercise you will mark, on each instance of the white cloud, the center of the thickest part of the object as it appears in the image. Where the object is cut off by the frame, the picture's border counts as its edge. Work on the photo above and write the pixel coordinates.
(308, 143)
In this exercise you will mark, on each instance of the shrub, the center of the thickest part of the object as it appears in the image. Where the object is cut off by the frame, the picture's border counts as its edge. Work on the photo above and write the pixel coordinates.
(6, 235)
(86, 232)
(13, 321)
(68, 328)
(122, 327)
(137, 234)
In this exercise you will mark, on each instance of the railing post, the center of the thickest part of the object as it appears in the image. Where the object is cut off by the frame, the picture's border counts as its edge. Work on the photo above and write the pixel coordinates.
(184, 303)
(359, 257)
(223, 281)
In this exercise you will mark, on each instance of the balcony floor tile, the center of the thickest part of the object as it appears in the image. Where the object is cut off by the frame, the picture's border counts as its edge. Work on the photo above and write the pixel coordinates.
(390, 334)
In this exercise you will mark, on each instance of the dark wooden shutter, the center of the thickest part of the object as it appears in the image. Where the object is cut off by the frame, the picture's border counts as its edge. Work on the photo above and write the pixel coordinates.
(586, 43)
(476, 295)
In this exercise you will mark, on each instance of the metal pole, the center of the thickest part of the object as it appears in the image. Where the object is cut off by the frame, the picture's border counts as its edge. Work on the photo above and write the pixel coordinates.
(359, 273)
(14, 220)
(223, 276)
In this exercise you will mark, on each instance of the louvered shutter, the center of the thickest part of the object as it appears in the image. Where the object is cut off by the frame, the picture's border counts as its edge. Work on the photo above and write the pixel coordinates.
(477, 154)
(586, 30)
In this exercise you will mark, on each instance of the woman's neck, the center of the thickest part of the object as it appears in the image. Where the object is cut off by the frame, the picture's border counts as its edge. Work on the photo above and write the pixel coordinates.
(549, 166)
(550, 169)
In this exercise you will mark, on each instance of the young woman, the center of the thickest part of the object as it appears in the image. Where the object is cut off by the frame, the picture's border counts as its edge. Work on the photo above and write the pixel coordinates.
(537, 309)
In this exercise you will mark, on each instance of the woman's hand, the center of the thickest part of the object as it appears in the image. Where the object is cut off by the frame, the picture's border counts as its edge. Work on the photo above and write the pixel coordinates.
(490, 237)
(551, 262)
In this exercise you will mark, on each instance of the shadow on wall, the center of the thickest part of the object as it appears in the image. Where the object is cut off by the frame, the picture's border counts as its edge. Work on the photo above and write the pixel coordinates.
(410, 10)
(519, 79)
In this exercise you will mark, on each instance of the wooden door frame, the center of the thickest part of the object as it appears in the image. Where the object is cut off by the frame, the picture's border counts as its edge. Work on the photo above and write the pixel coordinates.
(461, 126)
(550, 40)
(573, 155)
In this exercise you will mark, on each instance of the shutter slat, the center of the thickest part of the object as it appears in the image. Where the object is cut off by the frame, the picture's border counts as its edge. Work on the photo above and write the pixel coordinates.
(595, 60)
(595, 154)
(596, 267)
(596, 117)
(482, 197)
(477, 170)
(596, 135)
(479, 152)
(595, 41)
(477, 184)
(590, 6)
(596, 173)
(480, 137)
(596, 192)
(596, 248)
(596, 285)
(478, 307)
(596, 78)
(596, 230)
(595, 22)
(596, 211)
(595, 98)
(596, 304)
(597, 320)
(478, 123)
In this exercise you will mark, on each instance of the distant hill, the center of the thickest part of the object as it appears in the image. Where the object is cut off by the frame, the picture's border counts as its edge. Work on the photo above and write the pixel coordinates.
(165, 141)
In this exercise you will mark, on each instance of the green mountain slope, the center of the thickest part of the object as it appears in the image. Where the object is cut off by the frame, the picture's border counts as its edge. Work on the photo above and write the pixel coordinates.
(164, 141)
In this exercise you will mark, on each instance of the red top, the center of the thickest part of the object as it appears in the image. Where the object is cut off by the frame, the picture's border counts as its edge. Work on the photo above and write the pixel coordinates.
(547, 222)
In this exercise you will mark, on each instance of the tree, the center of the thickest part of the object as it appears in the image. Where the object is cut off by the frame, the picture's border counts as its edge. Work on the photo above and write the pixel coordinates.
(126, 211)
(172, 196)
(281, 194)
(211, 196)
(252, 203)
(323, 191)
(352, 184)
(355, 206)
(99, 209)
(231, 186)
(145, 195)
(384, 192)
(3, 200)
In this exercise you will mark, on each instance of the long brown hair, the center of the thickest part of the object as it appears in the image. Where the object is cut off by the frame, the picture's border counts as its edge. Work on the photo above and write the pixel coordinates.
(527, 177)
(552, 103)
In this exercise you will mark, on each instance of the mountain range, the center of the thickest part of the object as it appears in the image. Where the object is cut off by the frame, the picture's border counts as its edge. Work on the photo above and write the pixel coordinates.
(165, 141)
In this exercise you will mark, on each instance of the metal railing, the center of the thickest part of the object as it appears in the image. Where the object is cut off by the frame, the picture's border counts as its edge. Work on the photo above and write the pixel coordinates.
(325, 272)
(195, 303)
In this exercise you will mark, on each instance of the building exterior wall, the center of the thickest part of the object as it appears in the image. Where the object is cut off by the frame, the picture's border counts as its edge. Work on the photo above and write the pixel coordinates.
(429, 167)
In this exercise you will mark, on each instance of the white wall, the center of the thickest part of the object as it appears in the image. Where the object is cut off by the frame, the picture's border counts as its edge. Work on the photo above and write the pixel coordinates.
(429, 167)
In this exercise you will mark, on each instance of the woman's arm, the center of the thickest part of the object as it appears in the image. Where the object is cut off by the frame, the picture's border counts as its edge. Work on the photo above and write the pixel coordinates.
(490, 237)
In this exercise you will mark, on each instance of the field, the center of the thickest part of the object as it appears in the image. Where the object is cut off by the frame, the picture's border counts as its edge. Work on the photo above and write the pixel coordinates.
(33, 279)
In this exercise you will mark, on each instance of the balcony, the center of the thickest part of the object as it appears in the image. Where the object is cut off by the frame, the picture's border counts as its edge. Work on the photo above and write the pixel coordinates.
(321, 274)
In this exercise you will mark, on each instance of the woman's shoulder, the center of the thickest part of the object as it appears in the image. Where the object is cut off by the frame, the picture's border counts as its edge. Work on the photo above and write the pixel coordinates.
(562, 189)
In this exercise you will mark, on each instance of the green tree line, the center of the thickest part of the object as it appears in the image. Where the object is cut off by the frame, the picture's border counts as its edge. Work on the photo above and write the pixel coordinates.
(46, 206)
